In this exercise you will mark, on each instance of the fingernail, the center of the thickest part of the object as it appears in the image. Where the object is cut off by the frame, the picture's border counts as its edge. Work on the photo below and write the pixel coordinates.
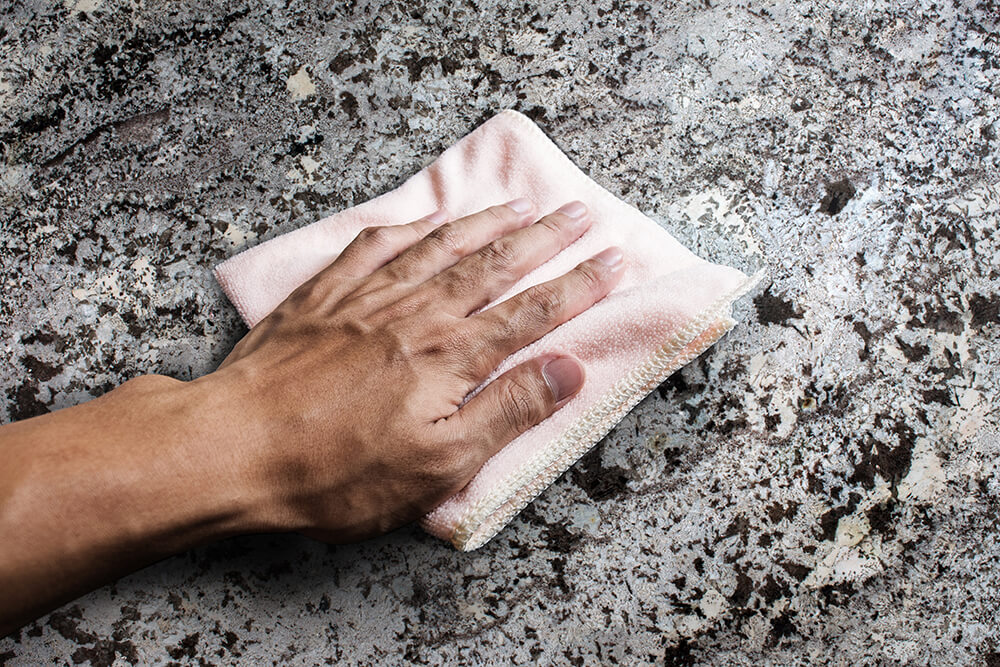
(437, 217)
(612, 257)
(575, 210)
(564, 377)
(520, 205)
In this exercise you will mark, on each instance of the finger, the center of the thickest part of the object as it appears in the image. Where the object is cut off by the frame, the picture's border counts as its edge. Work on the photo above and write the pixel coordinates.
(484, 275)
(517, 400)
(452, 241)
(375, 246)
(524, 318)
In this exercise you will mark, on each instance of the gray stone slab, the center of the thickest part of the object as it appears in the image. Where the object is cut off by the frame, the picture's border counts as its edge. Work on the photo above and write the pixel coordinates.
(821, 487)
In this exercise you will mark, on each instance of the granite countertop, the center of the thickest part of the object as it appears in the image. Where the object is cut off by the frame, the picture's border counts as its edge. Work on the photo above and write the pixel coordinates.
(820, 487)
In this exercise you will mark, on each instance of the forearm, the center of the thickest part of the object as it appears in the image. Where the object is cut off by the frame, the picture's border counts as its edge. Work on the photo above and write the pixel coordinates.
(93, 492)
(342, 415)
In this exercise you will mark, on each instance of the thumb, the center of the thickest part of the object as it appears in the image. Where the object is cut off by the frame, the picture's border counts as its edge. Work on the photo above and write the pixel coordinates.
(520, 398)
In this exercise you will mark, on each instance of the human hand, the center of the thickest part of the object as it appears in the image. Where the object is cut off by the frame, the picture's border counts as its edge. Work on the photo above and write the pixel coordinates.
(342, 414)
(350, 393)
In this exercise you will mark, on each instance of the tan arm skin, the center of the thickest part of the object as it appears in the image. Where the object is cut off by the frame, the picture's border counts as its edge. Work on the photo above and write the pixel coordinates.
(339, 416)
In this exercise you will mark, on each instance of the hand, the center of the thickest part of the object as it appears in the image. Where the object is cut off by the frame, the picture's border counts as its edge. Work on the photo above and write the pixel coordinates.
(342, 414)
(353, 387)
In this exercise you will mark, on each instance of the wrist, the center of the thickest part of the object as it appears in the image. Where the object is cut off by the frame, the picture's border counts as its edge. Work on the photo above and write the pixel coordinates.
(200, 462)
(236, 436)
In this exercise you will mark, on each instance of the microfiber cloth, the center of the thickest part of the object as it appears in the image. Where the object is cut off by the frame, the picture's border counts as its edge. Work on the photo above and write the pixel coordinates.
(669, 306)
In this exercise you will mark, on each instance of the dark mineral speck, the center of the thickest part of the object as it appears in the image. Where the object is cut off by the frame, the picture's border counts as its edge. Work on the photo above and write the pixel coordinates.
(820, 486)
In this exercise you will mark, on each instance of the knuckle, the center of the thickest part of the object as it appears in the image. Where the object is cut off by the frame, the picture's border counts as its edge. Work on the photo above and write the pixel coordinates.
(399, 310)
(591, 276)
(508, 329)
(448, 239)
(499, 215)
(551, 225)
(480, 366)
(521, 407)
(307, 295)
(500, 255)
(394, 273)
(378, 236)
(355, 327)
(547, 301)
(454, 284)
(446, 339)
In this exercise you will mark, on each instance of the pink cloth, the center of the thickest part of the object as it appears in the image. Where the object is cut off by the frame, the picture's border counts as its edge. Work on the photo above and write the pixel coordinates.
(669, 306)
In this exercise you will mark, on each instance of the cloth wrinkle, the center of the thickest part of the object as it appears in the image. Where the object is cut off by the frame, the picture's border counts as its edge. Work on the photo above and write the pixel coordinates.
(669, 306)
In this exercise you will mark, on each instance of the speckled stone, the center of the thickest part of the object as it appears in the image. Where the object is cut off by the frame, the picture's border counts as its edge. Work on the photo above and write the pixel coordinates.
(821, 487)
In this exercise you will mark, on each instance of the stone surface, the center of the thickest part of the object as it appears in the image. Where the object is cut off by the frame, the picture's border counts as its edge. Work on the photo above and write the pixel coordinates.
(820, 487)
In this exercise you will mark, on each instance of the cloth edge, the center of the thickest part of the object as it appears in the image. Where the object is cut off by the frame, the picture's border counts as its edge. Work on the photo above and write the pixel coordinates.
(481, 522)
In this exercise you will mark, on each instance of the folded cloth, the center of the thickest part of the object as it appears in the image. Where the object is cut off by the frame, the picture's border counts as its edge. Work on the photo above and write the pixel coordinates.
(669, 306)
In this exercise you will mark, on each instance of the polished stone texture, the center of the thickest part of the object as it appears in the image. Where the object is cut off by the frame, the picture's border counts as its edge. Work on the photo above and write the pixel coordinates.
(821, 487)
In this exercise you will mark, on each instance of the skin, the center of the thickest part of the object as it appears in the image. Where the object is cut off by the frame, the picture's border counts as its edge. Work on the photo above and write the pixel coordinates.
(339, 416)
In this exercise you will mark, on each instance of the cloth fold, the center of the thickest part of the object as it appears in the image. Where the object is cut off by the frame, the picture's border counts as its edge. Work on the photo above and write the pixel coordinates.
(669, 306)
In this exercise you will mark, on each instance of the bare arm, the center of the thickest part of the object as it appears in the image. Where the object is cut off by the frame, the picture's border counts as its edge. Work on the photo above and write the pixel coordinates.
(339, 416)
(90, 493)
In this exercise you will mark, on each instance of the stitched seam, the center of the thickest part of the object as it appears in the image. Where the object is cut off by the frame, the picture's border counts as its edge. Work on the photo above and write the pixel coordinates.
(567, 454)
(482, 520)
(603, 411)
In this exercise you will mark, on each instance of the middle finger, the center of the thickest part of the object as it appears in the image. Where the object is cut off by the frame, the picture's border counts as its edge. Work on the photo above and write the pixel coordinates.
(486, 274)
